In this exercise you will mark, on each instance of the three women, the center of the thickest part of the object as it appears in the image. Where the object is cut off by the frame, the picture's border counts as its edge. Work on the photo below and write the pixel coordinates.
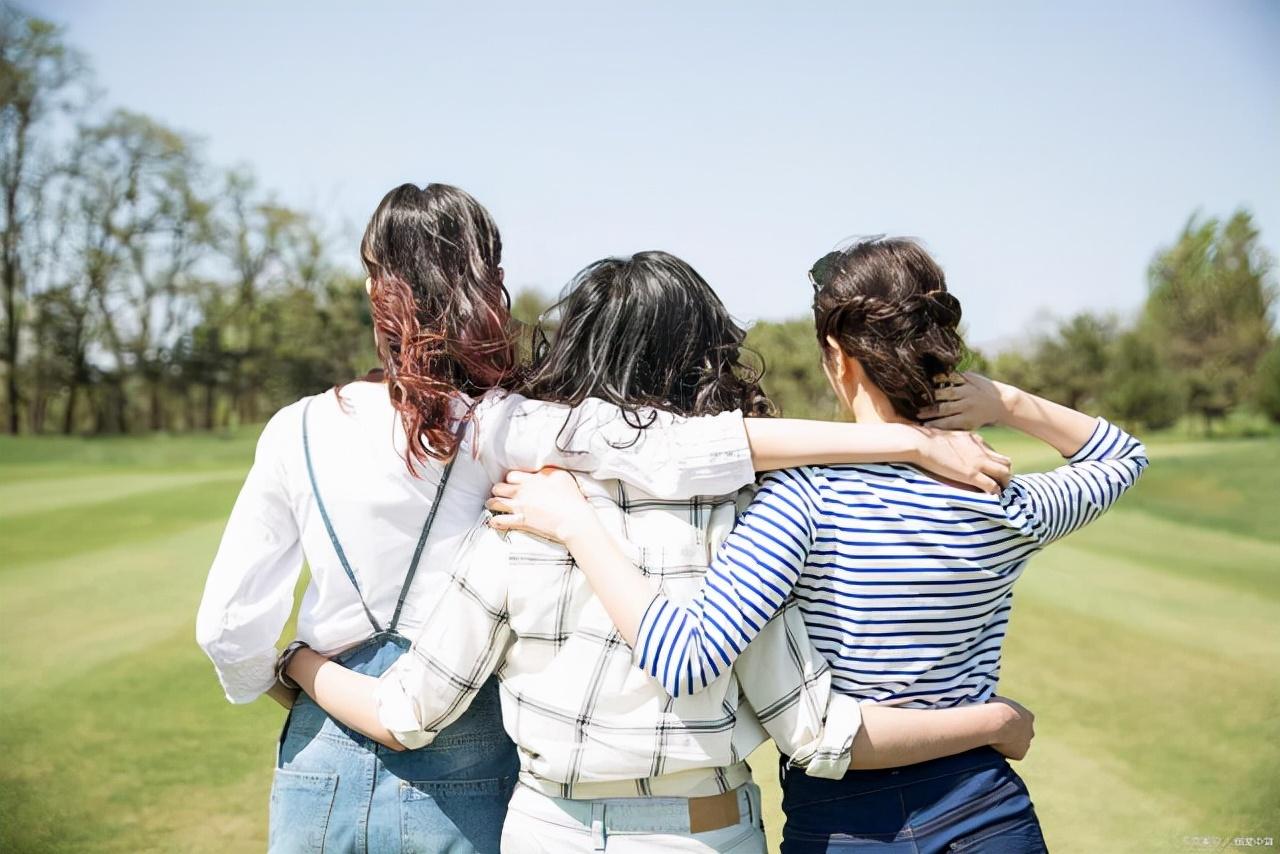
(376, 485)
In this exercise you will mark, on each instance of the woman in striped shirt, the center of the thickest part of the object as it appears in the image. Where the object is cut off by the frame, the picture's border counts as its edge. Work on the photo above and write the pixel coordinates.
(905, 581)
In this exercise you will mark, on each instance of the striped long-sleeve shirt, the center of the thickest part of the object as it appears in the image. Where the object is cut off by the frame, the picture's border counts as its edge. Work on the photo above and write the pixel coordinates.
(905, 583)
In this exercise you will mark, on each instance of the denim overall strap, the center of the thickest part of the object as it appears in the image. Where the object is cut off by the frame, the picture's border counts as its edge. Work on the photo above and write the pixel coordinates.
(422, 541)
(342, 555)
(328, 525)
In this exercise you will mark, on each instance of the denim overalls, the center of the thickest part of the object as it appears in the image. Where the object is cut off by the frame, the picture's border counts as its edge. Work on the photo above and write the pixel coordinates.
(338, 791)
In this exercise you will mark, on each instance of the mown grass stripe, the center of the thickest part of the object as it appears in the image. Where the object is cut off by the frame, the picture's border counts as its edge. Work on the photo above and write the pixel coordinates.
(65, 493)
(1148, 647)
(137, 518)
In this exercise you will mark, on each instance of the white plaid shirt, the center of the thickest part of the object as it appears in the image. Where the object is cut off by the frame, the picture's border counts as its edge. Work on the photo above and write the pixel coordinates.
(587, 722)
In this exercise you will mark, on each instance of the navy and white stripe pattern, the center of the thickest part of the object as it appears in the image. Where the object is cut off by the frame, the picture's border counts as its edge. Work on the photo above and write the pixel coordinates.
(905, 583)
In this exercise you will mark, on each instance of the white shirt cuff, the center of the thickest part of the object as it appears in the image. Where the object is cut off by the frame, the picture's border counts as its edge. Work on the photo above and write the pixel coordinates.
(835, 750)
(396, 712)
(248, 679)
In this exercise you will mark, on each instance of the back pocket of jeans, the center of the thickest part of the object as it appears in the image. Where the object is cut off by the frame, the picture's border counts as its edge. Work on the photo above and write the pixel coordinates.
(1018, 835)
(301, 802)
(453, 817)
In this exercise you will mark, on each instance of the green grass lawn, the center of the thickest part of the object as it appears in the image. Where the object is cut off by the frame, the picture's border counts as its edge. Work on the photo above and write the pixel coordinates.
(1149, 647)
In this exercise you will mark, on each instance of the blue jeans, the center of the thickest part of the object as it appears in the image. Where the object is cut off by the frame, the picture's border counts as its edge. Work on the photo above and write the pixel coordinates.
(337, 791)
(971, 802)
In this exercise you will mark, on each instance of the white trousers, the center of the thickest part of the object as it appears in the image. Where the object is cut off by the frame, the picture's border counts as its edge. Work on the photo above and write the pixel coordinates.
(538, 824)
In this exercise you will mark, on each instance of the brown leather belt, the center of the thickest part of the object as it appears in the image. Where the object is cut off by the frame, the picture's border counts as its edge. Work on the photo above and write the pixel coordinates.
(714, 812)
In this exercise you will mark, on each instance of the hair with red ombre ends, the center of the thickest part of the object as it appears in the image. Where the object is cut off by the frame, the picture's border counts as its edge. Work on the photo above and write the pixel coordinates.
(441, 314)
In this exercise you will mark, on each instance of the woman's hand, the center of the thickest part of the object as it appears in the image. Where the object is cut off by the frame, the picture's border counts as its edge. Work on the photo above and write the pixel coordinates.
(965, 458)
(547, 503)
(968, 401)
(1015, 727)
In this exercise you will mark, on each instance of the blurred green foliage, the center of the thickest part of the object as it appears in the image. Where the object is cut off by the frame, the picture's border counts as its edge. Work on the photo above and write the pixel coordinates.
(147, 289)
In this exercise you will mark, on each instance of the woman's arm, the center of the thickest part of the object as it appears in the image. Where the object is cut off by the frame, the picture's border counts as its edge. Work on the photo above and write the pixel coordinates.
(891, 737)
(459, 645)
(346, 695)
(778, 443)
(969, 401)
(249, 592)
(432, 685)
(1103, 461)
(684, 647)
(673, 457)
(787, 681)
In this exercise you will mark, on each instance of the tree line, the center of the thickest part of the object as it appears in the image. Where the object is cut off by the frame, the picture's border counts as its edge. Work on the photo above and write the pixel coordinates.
(146, 288)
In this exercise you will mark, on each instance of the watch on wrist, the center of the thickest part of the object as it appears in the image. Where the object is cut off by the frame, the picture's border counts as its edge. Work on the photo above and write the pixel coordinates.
(282, 664)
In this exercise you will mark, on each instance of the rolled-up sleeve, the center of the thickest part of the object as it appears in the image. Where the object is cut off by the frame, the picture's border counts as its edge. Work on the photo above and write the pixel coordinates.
(788, 683)
(461, 644)
(249, 592)
(668, 456)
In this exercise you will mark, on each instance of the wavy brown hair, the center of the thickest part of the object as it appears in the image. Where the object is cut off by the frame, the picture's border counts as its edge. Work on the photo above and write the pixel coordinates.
(645, 332)
(885, 302)
(440, 312)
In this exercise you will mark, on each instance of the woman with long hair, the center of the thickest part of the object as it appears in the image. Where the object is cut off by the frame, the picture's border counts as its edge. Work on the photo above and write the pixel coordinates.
(607, 761)
(377, 482)
(904, 579)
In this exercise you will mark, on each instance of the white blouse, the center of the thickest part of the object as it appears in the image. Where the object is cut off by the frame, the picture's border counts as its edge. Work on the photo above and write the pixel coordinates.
(378, 508)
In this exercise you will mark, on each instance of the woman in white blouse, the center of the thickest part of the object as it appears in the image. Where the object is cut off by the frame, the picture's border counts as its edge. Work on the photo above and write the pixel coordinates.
(376, 484)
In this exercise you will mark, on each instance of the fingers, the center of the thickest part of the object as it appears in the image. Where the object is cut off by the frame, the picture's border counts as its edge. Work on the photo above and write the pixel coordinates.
(517, 476)
(987, 484)
(997, 472)
(953, 422)
(507, 522)
(499, 505)
(951, 406)
(990, 450)
(978, 437)
(948, 392)
(506, 490)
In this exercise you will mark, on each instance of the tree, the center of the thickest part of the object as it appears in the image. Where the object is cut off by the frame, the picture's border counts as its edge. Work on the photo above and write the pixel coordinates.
(1209, 310)
(1267, 384)
(266, 245)
(1072, 361)
(136, 227)
(1139, 389)
(36, 73)
(792, 365)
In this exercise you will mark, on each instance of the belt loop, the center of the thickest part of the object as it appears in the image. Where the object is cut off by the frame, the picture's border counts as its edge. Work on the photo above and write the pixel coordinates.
(597, 825)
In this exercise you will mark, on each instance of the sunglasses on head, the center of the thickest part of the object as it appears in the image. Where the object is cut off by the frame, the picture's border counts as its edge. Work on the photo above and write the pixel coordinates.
(820, 274)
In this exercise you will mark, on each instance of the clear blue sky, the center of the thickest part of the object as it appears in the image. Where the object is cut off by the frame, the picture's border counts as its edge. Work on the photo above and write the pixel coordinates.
(1043, 151)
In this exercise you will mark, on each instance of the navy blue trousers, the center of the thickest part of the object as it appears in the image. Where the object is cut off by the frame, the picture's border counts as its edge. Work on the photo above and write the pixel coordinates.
(970, 802)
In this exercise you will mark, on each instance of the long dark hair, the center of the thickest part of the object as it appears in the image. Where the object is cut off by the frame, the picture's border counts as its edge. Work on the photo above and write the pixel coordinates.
(885, 302)
(644, 331)
(440, 311)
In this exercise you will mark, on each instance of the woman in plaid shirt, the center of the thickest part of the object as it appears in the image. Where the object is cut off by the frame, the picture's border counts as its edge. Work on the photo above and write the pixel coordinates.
(607, 759)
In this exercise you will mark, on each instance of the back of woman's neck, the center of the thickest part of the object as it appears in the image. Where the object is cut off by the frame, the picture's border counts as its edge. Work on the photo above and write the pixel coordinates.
(867, 410)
